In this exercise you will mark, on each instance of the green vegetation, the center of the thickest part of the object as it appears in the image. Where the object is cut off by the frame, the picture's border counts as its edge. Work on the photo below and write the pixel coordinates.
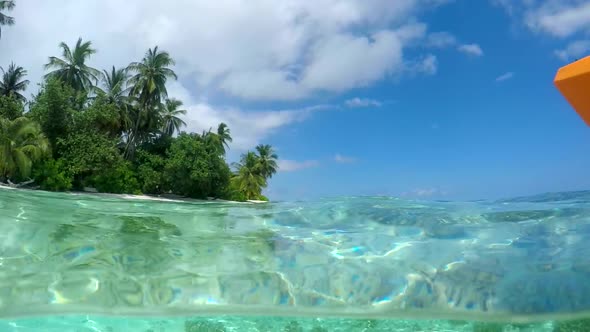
(21, 144)
(13, 82)
(10, 108)
(253, 172)
(116, 131)
(72, 69)
(52, 175)
(5, 5)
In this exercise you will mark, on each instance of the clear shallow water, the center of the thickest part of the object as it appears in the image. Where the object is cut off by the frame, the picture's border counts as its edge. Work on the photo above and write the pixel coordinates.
(524, 260)
(250, 324)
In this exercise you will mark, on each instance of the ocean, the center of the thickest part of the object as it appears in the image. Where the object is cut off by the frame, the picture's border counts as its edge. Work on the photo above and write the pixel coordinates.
(109, 263)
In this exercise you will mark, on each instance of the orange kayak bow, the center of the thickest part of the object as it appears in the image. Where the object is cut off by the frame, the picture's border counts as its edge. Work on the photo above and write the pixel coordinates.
(573, 81)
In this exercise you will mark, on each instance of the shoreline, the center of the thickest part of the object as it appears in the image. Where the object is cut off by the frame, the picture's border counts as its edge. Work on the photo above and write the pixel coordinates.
(142, 197)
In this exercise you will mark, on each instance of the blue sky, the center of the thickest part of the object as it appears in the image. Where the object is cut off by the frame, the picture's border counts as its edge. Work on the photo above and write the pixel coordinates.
(425, 99)
(457, 134)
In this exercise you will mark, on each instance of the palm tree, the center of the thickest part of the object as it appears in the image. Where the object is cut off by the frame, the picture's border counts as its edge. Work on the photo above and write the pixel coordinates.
(116, 89)
(12, 83)
(151, 74)
(212, 141)
(115, 85)
(170, 114)
(148, 87)
(72, 69)
(224, 135)
(21, 144)
(248, 179)
(267, 161)
(5, 19)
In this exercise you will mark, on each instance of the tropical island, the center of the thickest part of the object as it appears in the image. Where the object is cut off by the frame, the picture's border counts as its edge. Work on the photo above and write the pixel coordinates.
(116, 131)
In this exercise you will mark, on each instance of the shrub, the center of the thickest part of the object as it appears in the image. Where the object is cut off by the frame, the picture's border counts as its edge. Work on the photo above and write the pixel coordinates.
(150, 168)
(10, 108)
(52, 175)
(118, 179)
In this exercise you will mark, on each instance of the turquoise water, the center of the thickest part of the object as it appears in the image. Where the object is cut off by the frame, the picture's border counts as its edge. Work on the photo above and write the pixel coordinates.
(73, 262)
(250, 324)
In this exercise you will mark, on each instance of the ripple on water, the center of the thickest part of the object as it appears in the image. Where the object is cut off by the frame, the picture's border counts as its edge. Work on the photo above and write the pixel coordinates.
(369, 257)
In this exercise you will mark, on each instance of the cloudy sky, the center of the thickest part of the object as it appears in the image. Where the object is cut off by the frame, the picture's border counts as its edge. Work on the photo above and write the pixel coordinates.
(420, 98)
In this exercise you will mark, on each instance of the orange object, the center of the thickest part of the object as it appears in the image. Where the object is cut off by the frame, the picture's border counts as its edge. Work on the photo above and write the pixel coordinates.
(573, 81)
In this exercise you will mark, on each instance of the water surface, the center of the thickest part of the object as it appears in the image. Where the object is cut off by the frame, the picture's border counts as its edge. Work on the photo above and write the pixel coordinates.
(342, 261)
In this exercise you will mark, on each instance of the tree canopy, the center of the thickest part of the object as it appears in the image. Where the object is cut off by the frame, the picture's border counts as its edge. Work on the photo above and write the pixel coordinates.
(12, 83)
(21, 144)
(72, 69)
(117, 131)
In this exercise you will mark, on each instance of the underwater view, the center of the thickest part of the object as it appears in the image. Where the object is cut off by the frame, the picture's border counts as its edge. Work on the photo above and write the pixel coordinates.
(109, 263)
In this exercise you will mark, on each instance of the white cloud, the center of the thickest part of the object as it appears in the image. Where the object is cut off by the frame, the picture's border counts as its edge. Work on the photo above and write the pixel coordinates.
(445, 39)
(256, 50)
(441, 39)
(471, 49)
(248, 128)
(574, 50)
(507, 5)
(362, 102)
(286, 165)
(505, 76)
(344, 159)
(558, 18)
(343, 61)
(561, 19)
(428, 65)
(263, 85)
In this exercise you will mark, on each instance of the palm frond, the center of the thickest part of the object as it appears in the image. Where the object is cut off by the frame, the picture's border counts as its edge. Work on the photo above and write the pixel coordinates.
(6, 20)
(7, 5)
(72, 68)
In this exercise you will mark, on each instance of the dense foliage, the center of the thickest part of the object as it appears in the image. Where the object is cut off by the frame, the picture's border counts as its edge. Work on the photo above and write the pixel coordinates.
(52, 175)
(196, 168)
(116, 131)
(10, 108)
(21, 145)
(53, 109)
(13, 82)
